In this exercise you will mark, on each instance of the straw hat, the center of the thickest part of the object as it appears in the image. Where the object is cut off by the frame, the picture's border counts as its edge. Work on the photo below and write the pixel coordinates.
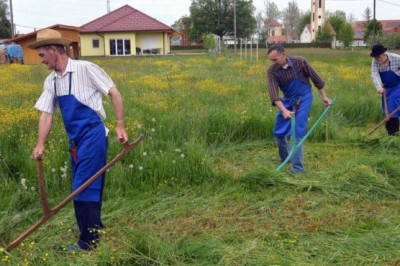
(48, 37)
(377, 50)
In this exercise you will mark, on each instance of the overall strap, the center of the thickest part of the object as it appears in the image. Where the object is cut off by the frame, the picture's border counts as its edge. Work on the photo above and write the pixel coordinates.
(70, 84)
(294, 69)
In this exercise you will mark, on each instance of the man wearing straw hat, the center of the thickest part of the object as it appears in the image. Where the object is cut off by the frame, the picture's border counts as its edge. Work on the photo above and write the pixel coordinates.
(77, 87)
(385, 73)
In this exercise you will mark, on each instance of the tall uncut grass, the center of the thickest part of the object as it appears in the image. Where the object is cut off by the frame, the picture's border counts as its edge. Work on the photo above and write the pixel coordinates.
(201, 189)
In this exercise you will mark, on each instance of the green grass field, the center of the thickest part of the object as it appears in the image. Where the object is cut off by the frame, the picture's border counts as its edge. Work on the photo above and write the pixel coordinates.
(201, 189)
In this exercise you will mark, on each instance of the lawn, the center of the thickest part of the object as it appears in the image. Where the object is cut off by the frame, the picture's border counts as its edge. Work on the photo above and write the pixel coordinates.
(201, 189)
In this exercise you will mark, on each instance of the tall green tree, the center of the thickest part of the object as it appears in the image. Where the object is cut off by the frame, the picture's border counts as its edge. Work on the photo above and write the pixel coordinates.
(344, 30)
(324, 34)
(305, 18)
(5, 25)
(369, 33)
(217, 17)
(346, 34)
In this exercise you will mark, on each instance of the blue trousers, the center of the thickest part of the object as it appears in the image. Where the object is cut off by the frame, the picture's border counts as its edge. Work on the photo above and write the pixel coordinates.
(88, 217)
(297, 159)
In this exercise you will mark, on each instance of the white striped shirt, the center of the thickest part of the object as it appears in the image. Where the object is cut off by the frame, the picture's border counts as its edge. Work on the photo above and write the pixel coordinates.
(89, 83)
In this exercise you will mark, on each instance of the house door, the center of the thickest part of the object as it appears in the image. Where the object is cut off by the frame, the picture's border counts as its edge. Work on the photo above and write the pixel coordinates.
(120, 46)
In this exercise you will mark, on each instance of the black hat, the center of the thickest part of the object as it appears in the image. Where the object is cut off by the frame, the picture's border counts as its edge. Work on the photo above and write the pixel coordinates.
(377, 50)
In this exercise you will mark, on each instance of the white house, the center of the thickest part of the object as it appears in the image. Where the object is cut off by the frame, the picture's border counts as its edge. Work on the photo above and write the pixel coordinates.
(306, 36)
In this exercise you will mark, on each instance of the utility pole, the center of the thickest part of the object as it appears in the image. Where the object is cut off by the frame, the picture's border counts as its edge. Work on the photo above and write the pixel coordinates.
(373, 42)
(234, 24)
(108, 6)
(12, 20)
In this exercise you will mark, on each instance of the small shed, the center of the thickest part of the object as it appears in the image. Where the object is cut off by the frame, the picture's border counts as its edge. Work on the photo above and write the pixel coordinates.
(30, 55)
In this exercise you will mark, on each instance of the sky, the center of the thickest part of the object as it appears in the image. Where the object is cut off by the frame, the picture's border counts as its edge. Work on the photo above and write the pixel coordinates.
(31, 15)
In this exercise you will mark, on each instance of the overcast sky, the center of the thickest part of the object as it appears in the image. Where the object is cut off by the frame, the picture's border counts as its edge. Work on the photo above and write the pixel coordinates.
(36, 14)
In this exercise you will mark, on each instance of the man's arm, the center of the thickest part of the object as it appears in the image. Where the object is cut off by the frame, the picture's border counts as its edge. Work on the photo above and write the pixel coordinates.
(116, 99)
(376, 78)
(45, 124)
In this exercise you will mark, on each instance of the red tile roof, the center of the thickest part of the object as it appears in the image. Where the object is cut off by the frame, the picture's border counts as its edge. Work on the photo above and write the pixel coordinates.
(125, 18)
(276, 39)
(388, 26)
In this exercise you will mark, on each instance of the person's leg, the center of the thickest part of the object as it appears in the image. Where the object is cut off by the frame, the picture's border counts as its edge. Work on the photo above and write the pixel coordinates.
(89, 222)
(392, 126)
(283, 147)
(297, 159)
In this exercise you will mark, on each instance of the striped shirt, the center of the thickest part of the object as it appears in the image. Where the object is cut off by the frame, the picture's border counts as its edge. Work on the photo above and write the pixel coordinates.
(88, 84)
(277, 76)
(394, 65)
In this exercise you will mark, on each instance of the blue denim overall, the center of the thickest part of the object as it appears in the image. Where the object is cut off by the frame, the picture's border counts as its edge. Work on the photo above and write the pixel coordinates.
(292, 91)
(88, 146)
(391, 83)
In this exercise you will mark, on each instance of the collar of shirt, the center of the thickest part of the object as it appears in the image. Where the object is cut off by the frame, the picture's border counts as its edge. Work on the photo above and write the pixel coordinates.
(68, 68)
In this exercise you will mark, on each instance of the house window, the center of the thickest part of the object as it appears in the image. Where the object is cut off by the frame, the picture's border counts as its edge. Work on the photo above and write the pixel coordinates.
(95, 43)
(120, 46)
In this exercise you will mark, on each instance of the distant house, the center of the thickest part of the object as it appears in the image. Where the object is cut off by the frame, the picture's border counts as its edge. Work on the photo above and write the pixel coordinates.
(305, 36)
(275, 33)
(389, 27)
(124, 32)
(30, 55)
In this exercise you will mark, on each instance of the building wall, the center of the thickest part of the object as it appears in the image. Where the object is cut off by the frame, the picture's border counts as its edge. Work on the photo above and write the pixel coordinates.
(305, 36)
(146, 41)
(30, 55)
(153, 40)
(317, 16)
(87, 48)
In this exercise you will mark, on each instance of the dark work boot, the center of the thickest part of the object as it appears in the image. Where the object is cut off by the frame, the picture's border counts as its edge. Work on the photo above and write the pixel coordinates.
(392, 126)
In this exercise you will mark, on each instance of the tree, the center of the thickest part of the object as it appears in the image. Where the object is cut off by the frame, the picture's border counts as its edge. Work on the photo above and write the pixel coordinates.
(217, 17)
(305, 18)
(184, 27)
(370, 30)
(367, 14)
(291, 17)
(5, 25)
(272, 14)
(324, 34)
(346, 34)
(337, 20)
(260, 29)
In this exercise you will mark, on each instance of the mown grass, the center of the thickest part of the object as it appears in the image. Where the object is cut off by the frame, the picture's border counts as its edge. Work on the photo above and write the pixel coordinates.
(202, 188)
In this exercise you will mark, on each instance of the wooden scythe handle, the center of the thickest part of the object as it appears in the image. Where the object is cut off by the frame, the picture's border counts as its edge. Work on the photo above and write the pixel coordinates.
(48, 213)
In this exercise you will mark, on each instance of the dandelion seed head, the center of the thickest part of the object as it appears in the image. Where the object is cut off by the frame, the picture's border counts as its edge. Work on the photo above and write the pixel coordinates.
(141, 168)
(130, 166)
(182, 155)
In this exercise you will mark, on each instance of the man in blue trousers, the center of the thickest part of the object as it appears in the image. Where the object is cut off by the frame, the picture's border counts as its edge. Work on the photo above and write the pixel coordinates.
(291, 74)
(76, 87)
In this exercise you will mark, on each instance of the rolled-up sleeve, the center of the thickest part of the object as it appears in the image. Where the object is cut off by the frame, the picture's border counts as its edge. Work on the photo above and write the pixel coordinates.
(315, 78)
(46, 102)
